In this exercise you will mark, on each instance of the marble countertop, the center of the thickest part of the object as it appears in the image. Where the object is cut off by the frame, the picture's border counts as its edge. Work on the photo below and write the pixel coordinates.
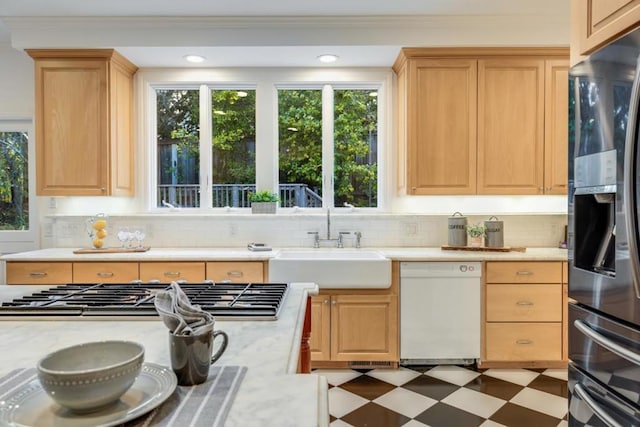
(271, 392)
(241, 254)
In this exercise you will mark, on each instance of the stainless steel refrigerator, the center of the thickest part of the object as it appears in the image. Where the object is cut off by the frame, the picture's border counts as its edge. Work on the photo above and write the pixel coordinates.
(604, 236)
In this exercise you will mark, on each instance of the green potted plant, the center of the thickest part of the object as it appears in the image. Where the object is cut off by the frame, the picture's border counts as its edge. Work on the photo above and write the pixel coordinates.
(475, 233)
(264, 202)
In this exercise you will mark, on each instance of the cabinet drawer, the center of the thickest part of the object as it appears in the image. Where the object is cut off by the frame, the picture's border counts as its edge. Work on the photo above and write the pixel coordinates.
(523, 342)
(39, 273)
(167, 272)
(105, 272)
(524, 303)
(235, 271)
(524, 272)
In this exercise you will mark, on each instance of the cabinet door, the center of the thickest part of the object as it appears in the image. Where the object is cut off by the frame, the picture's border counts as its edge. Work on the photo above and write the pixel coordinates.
(39, 273)
(105, 272)
(598, 22)
(441, 127)
(556, 127)
(167, 272)
(510, 126)
(364, 327)
(320, 328)
(235, 271)
(71, 134)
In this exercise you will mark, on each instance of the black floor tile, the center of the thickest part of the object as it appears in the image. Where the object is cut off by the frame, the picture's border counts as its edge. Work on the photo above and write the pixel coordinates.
(512, 415)
(443, 415)
(368, 387)
(550, 385)
(494, 387)
(374, 415)
(431, 387)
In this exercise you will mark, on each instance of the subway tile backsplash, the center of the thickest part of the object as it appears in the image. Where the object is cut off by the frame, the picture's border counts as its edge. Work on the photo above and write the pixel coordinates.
(291, 230)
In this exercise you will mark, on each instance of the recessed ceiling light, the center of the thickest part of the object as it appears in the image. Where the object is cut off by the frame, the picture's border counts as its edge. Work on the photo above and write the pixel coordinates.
(328, 58)
(194, 58)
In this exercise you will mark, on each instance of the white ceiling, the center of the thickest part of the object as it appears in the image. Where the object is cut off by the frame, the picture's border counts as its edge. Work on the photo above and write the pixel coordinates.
(158, 33)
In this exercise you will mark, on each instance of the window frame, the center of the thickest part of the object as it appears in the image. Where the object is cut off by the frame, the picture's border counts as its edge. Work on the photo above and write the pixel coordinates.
(266, 82)
(23, 240)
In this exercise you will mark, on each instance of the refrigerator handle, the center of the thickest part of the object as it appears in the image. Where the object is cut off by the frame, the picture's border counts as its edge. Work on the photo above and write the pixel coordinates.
(593, 405)
(630, 202)
(607, 343)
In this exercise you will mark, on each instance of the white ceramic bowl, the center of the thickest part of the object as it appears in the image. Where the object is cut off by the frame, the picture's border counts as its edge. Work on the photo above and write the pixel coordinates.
(87, 377)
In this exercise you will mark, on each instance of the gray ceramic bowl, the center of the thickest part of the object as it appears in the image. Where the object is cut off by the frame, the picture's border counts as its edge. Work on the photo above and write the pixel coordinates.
(87, 377)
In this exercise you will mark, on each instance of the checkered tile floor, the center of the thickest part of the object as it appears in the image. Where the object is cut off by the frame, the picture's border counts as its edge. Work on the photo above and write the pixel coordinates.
(444, 396)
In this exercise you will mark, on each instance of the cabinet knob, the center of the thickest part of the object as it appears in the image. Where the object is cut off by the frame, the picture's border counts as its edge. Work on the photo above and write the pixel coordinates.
(524, 303)
(235, 273)
(326, 301)
(524, 273)
(524, 342)
(333, 302)
(37, 274)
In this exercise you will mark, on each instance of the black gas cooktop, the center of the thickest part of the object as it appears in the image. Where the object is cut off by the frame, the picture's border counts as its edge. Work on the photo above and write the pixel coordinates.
(257, 301)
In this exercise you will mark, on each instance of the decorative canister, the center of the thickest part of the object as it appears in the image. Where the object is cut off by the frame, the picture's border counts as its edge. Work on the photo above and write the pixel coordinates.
(457, 230)
(494, 233)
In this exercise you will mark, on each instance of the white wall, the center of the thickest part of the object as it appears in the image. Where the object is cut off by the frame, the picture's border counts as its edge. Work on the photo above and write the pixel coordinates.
(16, 83)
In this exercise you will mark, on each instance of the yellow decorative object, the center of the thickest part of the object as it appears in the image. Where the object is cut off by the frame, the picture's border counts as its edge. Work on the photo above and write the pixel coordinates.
(96, 228)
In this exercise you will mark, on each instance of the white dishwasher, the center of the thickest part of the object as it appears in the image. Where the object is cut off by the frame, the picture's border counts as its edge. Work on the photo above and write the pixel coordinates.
(439, 312)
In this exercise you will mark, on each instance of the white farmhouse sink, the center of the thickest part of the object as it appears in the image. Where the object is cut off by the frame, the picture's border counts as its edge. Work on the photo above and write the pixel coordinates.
(332, 268)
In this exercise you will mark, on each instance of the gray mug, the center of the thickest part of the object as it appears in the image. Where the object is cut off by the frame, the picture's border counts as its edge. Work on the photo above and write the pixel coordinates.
(192, 355)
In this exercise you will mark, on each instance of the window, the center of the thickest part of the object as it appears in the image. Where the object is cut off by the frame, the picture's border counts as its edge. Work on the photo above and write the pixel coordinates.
(312, 136)
(17, 217)
(328, 147)
(184, 147)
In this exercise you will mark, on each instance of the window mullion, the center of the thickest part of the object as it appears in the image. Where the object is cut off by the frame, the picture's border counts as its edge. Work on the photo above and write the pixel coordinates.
(206, 162)
(327, 147)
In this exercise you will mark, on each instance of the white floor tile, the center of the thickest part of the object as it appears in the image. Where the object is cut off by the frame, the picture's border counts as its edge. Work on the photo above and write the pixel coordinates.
(396, 377)
(489, 423)
(452, 374)
(516, 376)
(337, 376)
(341, 402)
(414, 423)
(561, 374)
(405, 402)
(472, 401)
(540, 401)
(339, 423)
(563, 423)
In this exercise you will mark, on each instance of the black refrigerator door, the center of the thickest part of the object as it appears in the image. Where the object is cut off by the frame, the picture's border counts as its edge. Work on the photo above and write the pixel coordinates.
(593, 405)
(603, 217)
(608, 350)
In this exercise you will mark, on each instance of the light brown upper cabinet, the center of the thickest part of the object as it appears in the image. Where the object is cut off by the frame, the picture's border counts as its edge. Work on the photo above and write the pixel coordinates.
(440, 125)
(482, 121)
(84, 115)
(595, 23)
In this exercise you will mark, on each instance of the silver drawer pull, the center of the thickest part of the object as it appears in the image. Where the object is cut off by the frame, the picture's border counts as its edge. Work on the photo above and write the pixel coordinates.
(171, 274)
(524, 303)
(594, 406)
(524, 342)
(606, 342)
(105, 274)
(235, 273)
(524, 273)
(38, 274)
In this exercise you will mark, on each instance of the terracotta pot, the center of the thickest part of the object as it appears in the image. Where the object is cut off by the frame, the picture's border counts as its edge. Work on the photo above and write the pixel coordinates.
(475, 242)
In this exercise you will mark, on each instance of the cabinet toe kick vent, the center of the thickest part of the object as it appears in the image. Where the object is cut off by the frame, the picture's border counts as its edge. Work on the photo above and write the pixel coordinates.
(372, 364)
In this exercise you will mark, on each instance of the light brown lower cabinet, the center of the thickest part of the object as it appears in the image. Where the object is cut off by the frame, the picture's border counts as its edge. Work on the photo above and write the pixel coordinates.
(167, 272)
(105, 272)
(236, 271)
(352, 328)
(356, 327)
(59, 272)
(39, 273)
(524, 314)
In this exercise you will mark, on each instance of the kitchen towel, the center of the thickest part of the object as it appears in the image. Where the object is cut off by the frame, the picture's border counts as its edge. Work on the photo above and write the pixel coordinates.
(203, 405)
(179, 315)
